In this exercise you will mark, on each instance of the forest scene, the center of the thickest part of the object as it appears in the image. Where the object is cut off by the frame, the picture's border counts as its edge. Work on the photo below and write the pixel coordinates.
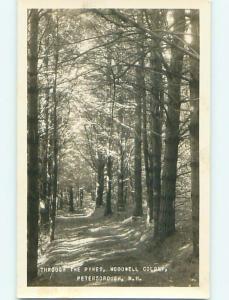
(113, 147)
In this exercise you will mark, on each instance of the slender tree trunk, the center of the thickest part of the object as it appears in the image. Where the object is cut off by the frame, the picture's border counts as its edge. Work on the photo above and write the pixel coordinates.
(145, 144)
(46, 142)
(71, 205)
(122, 154)
(100, 187)
(81, 197)
(168, 189)
(111, 93)
(55, 140)
(49, 179)
(108, 209)
(77, 193)
(155, 126)
(156, 154)
(55, 172)
(138, 145)
(61, 200)
(139, 95)
(45, 169)
(194, 132)
(120, 202)
(33, 142)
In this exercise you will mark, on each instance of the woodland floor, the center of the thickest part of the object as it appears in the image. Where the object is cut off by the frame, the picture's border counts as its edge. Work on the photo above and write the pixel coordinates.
(85, 240)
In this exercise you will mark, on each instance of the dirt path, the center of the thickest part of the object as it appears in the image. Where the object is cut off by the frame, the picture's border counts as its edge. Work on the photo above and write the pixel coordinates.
(93, 250)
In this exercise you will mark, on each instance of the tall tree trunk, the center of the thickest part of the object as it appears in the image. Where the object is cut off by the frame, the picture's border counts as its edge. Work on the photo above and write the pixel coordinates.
(55, 171)
(121, 176)
(55, 139)
(33, 142)
(122, 153)
(194, 132)
(71, 205)
(138, 144)
(168, 189)
(145, 144)
(155, 123)
(45, 196)
(139, 96)
(108, 209)
(156, 155)
(81, 197)
(45, 168)
(100, 183)
(61, 200)
(49, 177)
(111, 94)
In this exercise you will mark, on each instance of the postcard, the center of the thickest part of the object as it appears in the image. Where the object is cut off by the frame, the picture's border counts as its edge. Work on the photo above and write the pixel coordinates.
(113, 149)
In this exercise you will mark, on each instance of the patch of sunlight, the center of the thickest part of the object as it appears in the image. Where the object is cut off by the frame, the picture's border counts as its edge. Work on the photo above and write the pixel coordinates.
(127, 221)
(110, 240)
(184, 247)
(42, 205)
(117, 252)
(67, 251)
(74, 229)
(89, 214)
(73, 243)
(127, 233)
(104, 228)
(80, 241)
(78, 263)
(97, 229)
(73, 264)
(71, 217)
(42, 260)
(81, 244)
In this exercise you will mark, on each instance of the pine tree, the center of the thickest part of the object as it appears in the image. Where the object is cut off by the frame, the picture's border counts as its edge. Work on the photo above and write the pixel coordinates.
(194, 131)
(169, 173)
(33, 146)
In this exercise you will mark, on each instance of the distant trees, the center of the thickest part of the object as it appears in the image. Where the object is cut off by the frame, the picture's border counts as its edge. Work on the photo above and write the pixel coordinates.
(113, 103)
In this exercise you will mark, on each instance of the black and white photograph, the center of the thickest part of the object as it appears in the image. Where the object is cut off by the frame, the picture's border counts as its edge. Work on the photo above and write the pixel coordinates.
(115, 178)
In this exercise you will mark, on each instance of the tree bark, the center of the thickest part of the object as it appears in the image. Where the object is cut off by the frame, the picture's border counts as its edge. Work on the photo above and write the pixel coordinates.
(168, 189)
(145, 144)
(55, 139)
(156, 155)
(81, 197)
(155, 124)
(49, 177)
(194, 132)
(121, 176)
(121, 203)
(108, 209)
(45, 196)
(100, 187)
(139, 95)
(33, 144)
(138, 144)
(61, 200)
(71, 205)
